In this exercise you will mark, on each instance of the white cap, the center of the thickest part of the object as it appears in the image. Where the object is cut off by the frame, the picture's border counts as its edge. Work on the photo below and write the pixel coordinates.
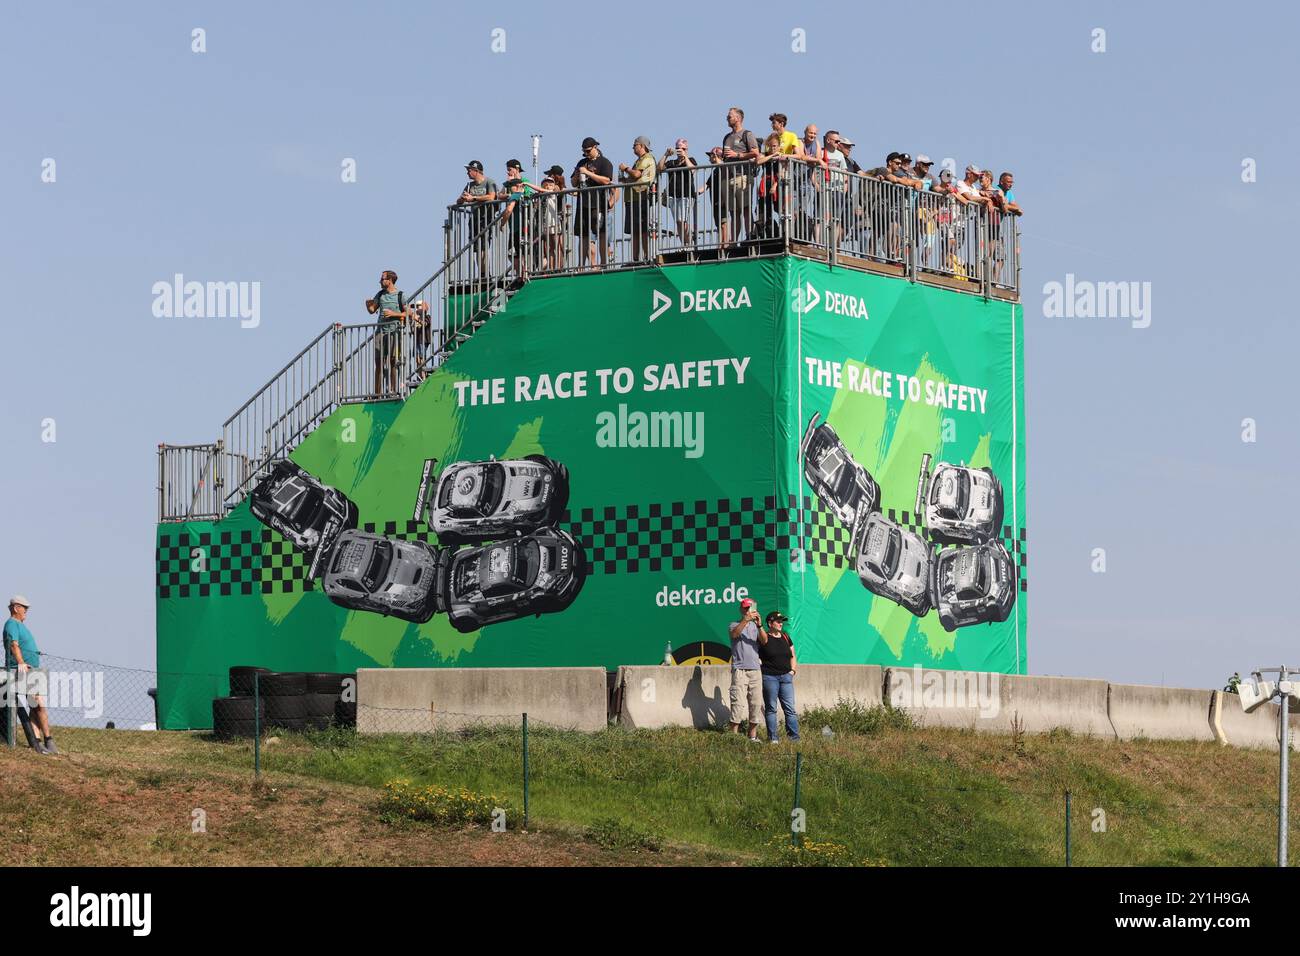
(19, 599)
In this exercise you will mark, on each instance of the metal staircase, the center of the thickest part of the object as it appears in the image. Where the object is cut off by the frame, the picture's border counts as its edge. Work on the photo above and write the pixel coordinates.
(343, 364)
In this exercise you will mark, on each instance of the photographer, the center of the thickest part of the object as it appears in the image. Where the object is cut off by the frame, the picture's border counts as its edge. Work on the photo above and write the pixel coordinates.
(776, 651)
(746, 669)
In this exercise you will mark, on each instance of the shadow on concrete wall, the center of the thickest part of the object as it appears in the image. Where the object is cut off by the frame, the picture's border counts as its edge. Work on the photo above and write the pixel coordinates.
(705, 711)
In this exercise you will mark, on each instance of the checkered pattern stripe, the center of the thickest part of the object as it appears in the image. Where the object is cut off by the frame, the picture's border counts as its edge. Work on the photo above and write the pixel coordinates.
(627, 539)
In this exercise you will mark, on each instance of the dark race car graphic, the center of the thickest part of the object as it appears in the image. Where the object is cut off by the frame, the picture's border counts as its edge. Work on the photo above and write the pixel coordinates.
(972, 585)
(481, 500)
(308, 513)
(961, 505)
(894, 563)
(535, 574)
(840, 483)
(368, 572)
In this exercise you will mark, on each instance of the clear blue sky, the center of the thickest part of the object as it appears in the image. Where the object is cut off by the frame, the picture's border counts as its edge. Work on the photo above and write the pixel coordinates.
(225, 165)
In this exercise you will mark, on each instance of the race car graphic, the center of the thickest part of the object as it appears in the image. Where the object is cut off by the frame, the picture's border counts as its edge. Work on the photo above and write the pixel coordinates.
(962, 506)
(894, 563)
(972, 585)
(308, 513)
(535, 574)
(840, 483)
(481, 500)
(368, 572)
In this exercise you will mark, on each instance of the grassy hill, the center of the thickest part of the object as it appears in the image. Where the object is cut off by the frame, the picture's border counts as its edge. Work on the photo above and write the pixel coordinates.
(895, 795)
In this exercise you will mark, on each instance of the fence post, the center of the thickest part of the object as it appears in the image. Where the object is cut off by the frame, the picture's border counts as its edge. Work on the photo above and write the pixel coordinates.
(795, 837)
(257, 727)
(1067, 828)
(525, 729)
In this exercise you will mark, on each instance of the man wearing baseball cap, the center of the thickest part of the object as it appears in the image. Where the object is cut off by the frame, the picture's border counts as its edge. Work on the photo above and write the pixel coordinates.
(589, 222)
(747, 669)
(477, 198)
(22, 653)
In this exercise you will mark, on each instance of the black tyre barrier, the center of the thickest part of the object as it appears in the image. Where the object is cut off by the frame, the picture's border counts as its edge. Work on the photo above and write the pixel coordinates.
(284, 684)
(345, 713)
(241, 680)
(319, 705)
(324, 683)
(281, 709)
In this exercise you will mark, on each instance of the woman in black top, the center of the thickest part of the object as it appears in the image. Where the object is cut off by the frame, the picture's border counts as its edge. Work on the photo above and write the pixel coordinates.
(776, 654)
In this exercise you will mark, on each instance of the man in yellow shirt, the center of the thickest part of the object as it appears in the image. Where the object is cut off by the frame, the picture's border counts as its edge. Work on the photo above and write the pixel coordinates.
(790, 145)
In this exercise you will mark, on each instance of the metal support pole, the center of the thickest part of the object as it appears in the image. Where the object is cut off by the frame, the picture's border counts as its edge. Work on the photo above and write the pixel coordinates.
(11, 708)
(1068, 860)
(1283, 796)
(257, 726)
(798, 779)
(525, 729)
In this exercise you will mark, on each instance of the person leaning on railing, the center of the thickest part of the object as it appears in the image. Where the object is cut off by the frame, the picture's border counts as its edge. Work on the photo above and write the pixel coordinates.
(773, 183)
(477, 199)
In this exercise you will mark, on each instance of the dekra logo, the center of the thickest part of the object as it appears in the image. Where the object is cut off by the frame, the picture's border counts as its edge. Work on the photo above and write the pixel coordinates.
(836, 303)
(702, 300)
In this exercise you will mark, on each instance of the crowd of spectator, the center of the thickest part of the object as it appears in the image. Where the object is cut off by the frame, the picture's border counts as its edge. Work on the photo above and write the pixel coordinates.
(752, 187)
(756, 186)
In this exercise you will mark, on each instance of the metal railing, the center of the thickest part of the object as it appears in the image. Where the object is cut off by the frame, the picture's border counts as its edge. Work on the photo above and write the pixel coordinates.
(777, 205)
(720, 210)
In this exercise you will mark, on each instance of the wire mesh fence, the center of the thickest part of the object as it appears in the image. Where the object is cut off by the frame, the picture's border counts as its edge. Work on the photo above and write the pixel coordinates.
(832, 799)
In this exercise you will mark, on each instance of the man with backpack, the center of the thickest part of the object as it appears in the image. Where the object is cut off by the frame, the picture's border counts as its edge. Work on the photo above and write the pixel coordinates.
(389, 303)
(739, 146)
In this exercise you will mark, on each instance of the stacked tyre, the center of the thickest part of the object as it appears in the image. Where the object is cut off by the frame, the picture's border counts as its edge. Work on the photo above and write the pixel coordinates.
(289, 700)
(237, 716)
(326, 693)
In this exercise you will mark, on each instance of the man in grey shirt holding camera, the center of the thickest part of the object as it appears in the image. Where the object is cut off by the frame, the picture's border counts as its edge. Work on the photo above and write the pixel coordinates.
(746, 670)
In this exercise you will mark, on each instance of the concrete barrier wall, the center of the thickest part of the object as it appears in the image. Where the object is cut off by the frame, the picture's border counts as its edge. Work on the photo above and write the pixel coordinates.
(1161, 713)
(421, 700)
(700, 696)
(1259, 730)
(991, 703)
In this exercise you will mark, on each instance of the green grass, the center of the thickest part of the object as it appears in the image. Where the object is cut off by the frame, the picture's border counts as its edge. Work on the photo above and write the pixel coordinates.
(880, 789)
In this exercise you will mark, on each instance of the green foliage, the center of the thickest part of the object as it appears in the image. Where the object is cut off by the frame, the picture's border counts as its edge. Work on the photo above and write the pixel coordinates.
(855, 718)
(615, 834)
(401, 800)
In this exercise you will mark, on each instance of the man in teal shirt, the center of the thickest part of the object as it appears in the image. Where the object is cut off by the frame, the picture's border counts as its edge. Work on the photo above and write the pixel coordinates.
(21, 653)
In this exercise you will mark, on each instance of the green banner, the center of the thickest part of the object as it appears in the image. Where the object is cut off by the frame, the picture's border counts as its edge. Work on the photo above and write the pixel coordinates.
(671, 403)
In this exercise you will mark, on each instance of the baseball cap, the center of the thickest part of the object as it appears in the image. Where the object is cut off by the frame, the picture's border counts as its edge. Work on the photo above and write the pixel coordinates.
(514, 164)
(846, 142)
(556, 170)
(19, 599)
(589, 142)
(923, 160)
(905, 157)
(893, 156)
(777, 616)
(642, 141)
(475, 165)
(746, 604)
